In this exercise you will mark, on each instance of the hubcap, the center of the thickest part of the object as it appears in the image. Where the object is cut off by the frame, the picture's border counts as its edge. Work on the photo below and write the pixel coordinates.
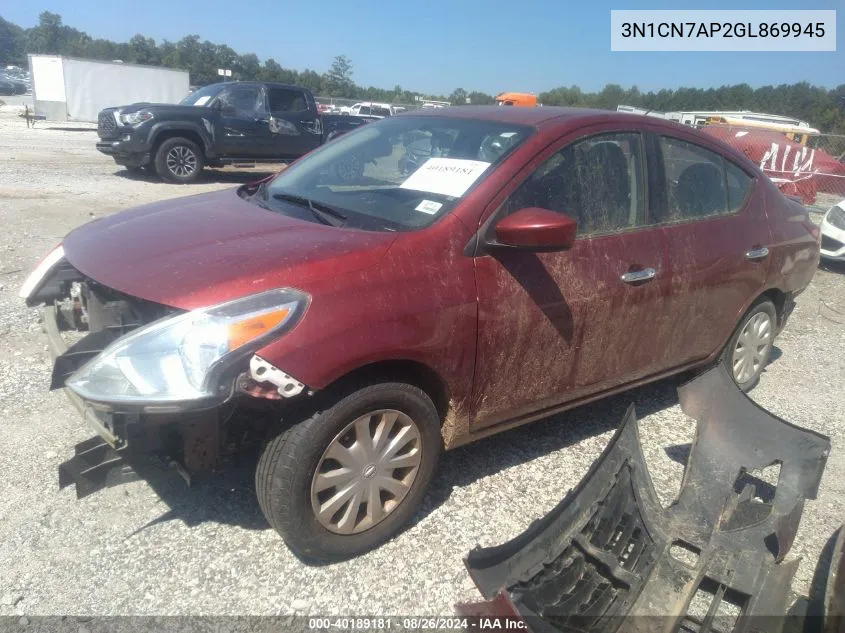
(366, 471)
(752, 347)
(181, 161)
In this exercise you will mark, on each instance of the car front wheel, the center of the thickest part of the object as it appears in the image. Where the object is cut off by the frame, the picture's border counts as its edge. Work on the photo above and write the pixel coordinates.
(179, 160)
(347, 478)
(748, 351)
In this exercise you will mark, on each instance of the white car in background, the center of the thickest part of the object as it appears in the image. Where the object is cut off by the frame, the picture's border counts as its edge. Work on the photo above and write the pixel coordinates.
(371, 109)
(833, 233)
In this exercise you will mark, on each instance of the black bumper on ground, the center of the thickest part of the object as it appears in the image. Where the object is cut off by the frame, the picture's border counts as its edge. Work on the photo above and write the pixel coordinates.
(713, 560)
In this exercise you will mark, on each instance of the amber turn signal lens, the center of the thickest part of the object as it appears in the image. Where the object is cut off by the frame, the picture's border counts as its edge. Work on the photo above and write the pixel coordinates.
(242, 332)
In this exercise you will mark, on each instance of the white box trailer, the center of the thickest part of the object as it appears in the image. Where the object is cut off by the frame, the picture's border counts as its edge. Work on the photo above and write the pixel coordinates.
(72, 89)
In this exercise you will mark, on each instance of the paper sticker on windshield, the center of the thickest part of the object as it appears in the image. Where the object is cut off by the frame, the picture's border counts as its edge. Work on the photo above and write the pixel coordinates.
(202, 100)
(428, 206)
(446, 176)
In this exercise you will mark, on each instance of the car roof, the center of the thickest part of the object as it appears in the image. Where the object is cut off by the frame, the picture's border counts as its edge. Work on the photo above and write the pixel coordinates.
(554, 119)
(515, 114)
(551, 116)
(272, 84)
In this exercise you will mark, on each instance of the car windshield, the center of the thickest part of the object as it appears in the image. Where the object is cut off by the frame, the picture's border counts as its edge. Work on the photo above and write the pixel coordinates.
(203, 96)
(398, 174)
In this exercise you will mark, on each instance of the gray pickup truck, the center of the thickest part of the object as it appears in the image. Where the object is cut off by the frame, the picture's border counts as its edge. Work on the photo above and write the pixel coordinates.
(224, 123)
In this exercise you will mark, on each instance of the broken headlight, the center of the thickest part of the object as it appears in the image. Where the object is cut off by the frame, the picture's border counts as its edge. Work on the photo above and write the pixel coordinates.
(186, 357)
(36, 277)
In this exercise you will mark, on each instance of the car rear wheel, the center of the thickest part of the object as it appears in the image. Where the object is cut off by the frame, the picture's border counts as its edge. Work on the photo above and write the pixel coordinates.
(347, 478)
(179, 160)
(748, 351)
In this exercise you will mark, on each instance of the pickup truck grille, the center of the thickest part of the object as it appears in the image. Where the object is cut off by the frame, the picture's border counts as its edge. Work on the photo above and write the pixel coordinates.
(106, 125)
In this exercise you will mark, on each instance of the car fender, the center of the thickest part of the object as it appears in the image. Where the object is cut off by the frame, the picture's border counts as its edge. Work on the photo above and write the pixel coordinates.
(204, 130)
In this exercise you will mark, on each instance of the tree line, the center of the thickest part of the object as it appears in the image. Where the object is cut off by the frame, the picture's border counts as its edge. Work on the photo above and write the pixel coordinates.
(823, 108)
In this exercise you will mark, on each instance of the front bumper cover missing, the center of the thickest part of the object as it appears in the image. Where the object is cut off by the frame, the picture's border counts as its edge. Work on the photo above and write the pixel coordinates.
(609, 549)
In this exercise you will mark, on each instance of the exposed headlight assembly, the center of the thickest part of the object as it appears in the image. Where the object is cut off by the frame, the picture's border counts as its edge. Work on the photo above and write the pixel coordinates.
(45, 267)
(186, 358)
(133, 118)
(836, 217)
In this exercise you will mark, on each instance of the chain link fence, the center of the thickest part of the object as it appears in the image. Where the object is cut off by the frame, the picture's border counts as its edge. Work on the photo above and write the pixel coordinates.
(809, 166)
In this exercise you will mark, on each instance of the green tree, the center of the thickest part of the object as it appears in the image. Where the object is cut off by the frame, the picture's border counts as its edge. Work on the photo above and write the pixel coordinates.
(481, 98)
(247, 67)
(12, 43)
(821, 107)
(458, 96)
(47, 37)
(338, 79)
(143, 50)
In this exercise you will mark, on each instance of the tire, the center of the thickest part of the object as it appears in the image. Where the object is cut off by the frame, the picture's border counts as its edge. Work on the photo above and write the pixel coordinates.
(179, 160)
(759, 320)
(287, 474)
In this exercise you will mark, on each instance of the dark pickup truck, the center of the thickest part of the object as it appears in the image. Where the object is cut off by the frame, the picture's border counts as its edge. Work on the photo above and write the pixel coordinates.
(224, 123)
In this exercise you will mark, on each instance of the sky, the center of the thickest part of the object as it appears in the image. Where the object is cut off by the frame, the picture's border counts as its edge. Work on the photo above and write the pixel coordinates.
(435, 46)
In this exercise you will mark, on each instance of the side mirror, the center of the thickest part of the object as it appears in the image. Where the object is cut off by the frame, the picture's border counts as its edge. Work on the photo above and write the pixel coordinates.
(537, 229)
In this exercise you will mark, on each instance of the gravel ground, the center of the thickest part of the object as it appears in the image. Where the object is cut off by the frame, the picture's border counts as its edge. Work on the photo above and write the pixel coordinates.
(161, 548)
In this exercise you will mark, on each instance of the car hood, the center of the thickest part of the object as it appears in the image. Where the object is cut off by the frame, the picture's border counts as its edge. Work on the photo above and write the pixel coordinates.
(169, 108)
(201, 250)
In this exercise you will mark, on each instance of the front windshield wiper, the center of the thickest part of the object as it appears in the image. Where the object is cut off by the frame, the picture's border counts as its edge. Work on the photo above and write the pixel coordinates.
(323, 212)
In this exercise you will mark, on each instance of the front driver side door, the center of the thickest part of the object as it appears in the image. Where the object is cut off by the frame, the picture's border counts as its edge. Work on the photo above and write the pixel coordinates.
(555, 327)
(243, 125)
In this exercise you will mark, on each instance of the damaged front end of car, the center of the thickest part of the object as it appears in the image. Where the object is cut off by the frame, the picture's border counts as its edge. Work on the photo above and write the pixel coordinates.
(609, 557)
(186, 387)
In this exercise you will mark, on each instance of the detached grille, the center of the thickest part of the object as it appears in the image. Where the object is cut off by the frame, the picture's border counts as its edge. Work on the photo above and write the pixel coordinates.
(106, 125)
(597, 577)
(830, 244)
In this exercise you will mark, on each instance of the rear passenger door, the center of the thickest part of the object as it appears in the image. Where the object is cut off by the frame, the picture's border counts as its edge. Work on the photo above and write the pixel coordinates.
(295, 128)
(717, 234)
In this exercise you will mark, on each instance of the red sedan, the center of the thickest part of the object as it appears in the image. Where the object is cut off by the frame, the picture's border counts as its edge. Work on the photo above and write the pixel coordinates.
(415, 285)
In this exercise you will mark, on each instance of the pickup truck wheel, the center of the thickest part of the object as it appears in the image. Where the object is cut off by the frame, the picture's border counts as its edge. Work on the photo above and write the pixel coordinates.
(347, 478)
(179, 160)
(747, 352)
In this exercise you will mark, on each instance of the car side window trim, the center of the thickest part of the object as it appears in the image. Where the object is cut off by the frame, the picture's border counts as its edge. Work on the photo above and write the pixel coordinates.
(475, 247)
(636, 176)
(753, 180)
(661, 200)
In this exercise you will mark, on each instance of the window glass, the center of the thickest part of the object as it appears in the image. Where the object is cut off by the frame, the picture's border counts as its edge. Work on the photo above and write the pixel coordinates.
(739, 186)
(364, 110)
(597, 181)
(201, 97)
(247, 100)
(286, 100)
(376, 174)
(695, 181)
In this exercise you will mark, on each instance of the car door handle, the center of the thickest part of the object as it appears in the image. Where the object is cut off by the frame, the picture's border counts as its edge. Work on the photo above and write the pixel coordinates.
(757, 253)
(639, 275)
